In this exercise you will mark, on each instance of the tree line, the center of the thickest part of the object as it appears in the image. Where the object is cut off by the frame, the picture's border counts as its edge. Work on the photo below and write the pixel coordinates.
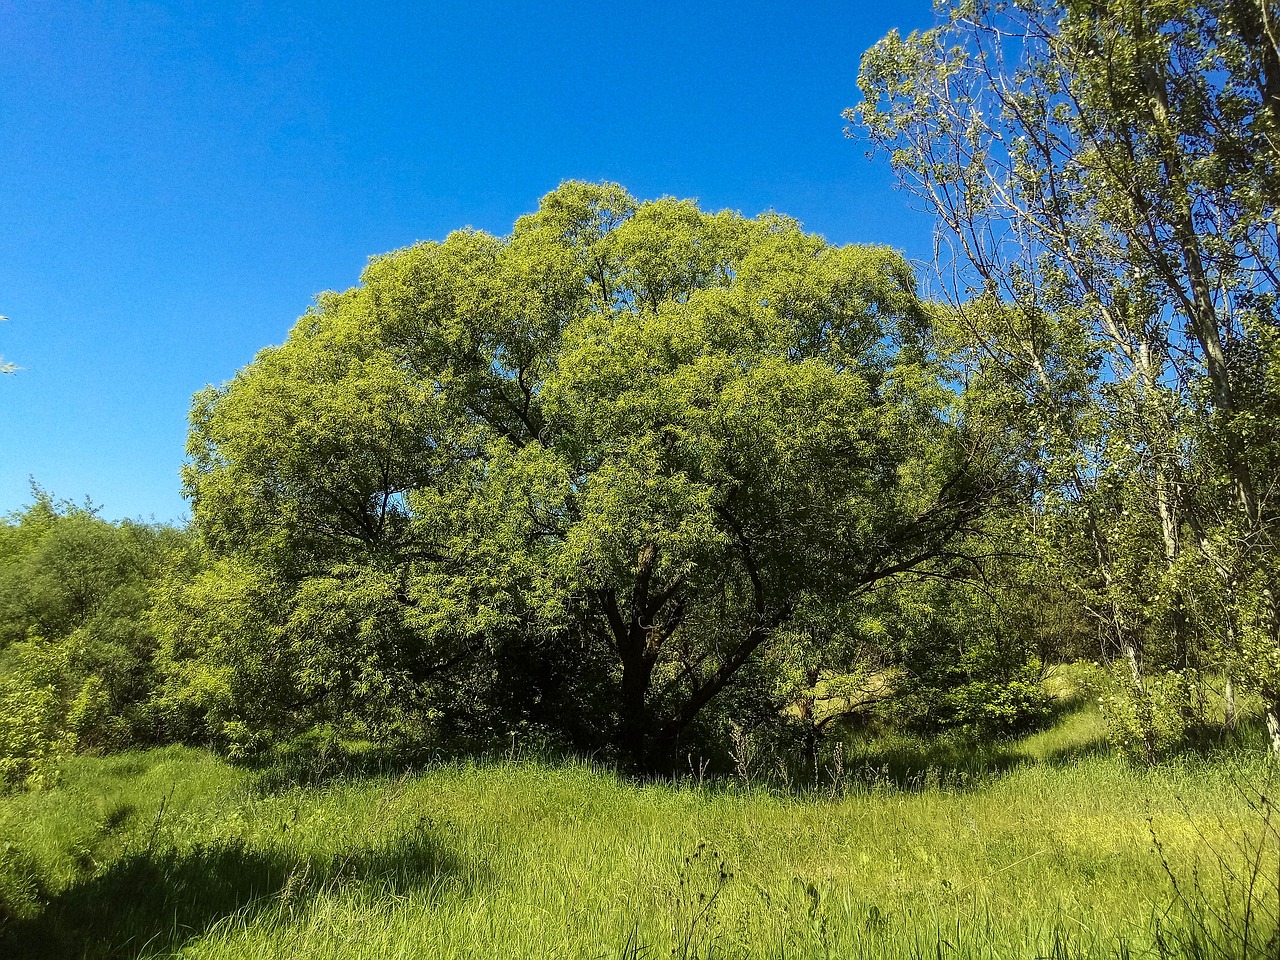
(636, 477)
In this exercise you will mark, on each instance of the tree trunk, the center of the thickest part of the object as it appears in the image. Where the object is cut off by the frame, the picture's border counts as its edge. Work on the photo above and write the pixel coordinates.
(1273, 727)
(1167, 496)
(649, 620)
(1135, 666)
(1229, 705)
(636, 727)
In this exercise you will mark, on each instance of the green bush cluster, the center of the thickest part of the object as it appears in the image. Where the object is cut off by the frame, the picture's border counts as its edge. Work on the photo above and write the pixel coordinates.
(1151, 715)
(78, 668)
(34, 736)
(969, 662)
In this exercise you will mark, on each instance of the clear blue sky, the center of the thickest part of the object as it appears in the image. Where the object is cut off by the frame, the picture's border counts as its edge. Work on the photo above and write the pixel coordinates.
(178, 179)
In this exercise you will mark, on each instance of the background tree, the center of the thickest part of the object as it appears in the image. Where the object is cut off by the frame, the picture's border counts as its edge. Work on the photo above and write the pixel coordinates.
(77, 656)
(1105, 171)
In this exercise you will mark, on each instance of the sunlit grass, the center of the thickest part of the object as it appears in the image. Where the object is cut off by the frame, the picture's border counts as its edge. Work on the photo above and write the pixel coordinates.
(1049, 849)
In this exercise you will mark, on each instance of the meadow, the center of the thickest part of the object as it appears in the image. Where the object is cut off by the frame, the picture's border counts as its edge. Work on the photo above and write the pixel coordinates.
(1044, 846)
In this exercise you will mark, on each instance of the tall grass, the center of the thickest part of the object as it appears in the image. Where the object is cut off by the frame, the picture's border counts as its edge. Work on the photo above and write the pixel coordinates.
(1041, 848)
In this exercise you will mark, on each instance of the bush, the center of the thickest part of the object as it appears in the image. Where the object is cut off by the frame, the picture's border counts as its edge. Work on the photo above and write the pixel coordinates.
(78, 666)
(33, 737)
(968, 663)
(1146, 720)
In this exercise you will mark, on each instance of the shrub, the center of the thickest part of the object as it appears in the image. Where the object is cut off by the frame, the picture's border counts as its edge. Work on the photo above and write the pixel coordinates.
(77, 655)
(1147, 719)
(33, 737)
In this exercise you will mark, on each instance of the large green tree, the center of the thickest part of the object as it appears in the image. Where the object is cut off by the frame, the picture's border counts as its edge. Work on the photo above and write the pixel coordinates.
(581, 476)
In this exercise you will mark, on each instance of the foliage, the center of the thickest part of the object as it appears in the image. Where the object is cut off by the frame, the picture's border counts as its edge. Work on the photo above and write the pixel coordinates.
(968, 661)
(1104, 178)
(1149, 719)
(33, 735)
(576, 481)
(77, 668)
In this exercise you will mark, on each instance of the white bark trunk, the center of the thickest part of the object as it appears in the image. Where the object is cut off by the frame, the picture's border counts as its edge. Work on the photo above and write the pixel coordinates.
(1229, 704)
(1135, 668)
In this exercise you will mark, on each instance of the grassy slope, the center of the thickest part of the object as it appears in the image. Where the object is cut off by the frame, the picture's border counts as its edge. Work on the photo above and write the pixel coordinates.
(151, 853)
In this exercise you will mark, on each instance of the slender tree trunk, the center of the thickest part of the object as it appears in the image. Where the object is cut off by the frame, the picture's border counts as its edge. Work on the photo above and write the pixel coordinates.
(1191, 709)
(1166, 495)
(1273, 727)
(1135, 666)
(1142, 706)
(1229, 703)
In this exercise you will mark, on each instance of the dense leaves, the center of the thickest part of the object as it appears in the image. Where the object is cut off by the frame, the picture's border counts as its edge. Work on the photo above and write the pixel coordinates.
(1104, 177)
(577, 479)
(77, 656)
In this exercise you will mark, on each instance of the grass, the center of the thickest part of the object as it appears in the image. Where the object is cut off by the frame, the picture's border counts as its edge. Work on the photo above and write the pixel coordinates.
(1041, 847)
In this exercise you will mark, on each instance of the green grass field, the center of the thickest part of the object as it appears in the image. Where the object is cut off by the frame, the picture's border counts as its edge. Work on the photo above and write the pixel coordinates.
(1041, 847)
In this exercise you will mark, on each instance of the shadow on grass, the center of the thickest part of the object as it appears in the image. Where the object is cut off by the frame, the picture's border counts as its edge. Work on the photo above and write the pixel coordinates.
(919, 762)
(923, 766)
(1061, 756)
(311, 765)
(1250, 733)
(956, 766)
(321, 767)
(955, 760)
(152, 902)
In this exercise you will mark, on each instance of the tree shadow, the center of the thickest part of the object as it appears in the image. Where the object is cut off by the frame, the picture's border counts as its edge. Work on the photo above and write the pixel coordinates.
(1249, 733)
(923, 767)
(152, 902)
(960, 761)
(310, 765)
(1065, 756)
(317, 769)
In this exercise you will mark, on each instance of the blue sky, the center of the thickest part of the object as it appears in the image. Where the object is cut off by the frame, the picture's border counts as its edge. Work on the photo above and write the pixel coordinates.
(178, 180)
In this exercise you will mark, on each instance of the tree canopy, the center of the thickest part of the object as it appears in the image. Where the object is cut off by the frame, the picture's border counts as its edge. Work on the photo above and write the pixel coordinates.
(1104, 176)
(579, 478)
